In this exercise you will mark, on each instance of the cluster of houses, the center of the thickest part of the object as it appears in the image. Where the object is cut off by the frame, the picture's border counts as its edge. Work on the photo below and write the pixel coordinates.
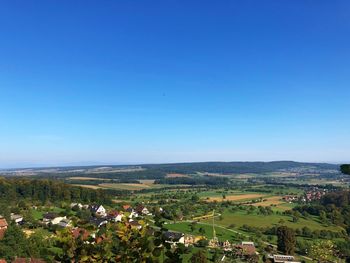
(313, 194)
(101, 216)
(290, 198)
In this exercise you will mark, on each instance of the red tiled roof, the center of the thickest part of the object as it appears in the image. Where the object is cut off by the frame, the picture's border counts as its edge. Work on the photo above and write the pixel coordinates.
(2, 261)
(246, 249)
(125, 207)
(3, 222)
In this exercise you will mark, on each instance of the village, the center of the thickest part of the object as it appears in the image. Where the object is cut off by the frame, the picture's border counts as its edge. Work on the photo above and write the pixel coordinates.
(136, 218)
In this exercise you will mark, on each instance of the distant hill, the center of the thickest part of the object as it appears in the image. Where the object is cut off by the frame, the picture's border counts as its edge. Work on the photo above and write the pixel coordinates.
(239, 167)
(184, 168)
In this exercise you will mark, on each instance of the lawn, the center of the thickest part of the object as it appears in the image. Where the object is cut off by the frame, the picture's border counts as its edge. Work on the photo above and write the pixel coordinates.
(37, 214)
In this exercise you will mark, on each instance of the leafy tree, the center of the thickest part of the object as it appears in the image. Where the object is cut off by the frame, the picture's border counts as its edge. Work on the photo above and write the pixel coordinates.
(13, 244)
(198, 257)
(286, 240)
(195, 198)
(201, 231)
(193, 226)
(323, 251)
(345, 168)
(38, 246)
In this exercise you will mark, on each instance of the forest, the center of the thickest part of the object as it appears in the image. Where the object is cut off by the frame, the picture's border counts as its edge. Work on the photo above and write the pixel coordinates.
(44, 190)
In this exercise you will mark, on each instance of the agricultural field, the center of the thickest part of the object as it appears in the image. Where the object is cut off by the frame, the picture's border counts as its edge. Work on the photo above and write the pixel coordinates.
(241, 218)
(102, 183)
(240, 197)
(176, 175)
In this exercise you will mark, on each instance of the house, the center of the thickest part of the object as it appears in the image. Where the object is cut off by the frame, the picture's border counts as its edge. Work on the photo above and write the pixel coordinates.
(18, 219)
(174, 237)
(98, 222)
(132, 213)
(283, 259)
(290, 198)
(58, 219)
(190, 239)
(126, 207)
(64, 223)
(246, 248)
(53, 219)
(3, 227)
(142, 210)
(2, 260)
(115, 216)
(79, 205)
(48, 217)
(98, 210)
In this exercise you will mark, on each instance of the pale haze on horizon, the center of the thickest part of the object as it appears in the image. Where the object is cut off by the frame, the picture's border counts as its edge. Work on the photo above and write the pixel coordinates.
(168, 81)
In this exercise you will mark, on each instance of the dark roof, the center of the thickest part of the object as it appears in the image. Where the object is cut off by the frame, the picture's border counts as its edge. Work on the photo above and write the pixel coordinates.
(173, 236)
(139, 208)
(50, 215)
(94, 208)
(97, 221)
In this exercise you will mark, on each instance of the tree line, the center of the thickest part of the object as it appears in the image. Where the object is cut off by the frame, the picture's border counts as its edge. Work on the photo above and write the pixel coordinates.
(44, 190)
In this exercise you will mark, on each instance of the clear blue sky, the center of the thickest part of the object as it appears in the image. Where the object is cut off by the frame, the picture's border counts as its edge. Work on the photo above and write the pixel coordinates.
(167, 81)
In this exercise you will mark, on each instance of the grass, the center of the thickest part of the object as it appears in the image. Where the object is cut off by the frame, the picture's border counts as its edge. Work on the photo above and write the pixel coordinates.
(240, 197)
(221, 233)
(241, 218)
(37, 214)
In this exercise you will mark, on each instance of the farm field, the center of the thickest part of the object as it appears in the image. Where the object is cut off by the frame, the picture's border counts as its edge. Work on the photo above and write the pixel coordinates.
(241, 218)
(84, 178)
(125, 186)
(176, 175)
(144, 184)
(241, 197)
(268, 201)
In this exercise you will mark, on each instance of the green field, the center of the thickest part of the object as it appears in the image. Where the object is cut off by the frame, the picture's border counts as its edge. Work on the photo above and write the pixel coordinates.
(241, 218)
(222, 233)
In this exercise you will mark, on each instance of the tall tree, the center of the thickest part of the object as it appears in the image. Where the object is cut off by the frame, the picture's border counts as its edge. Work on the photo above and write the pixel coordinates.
(286, 240)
